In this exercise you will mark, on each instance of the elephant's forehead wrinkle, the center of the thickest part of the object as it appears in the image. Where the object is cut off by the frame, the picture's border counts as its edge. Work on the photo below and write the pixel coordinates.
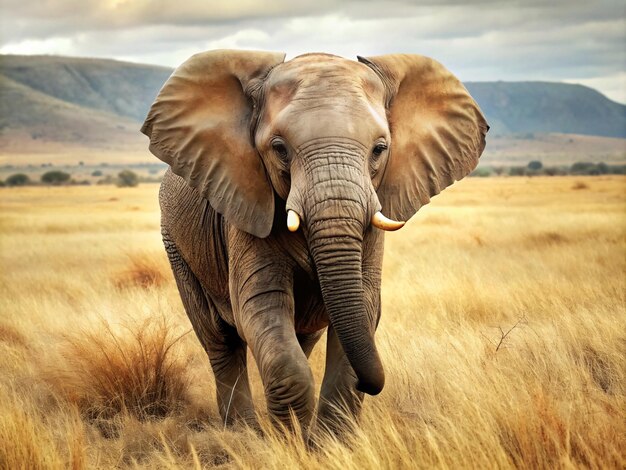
(330, 95)
(321, 72)
(322, 95)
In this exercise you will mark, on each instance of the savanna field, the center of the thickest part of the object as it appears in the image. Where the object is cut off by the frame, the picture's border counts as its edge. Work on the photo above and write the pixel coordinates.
(503, 337)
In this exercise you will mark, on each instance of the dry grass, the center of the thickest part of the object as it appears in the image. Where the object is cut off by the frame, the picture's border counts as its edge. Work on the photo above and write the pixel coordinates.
(143, 270)
(580, 185)
(503, 336)
(30, 440)
(136, 371)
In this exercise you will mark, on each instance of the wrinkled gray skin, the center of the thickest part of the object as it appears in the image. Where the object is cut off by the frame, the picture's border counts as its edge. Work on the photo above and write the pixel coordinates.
(268, 294)
(242, 291)
(277, 295)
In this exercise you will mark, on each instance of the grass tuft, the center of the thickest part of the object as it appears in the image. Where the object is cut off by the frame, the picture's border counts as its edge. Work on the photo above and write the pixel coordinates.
(12, 336)
(144, 270)
(137, 371)
(578, 185)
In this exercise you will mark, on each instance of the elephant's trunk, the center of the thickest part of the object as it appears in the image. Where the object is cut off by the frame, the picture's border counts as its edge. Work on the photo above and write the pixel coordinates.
(336, 213)
(338, 262)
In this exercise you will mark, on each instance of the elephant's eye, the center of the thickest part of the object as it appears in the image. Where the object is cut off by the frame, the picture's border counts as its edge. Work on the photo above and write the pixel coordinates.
(379, 149)
(280, 149)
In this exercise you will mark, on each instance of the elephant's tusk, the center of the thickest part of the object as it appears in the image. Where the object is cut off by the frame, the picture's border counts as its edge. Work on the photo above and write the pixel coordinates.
(383, 223)
(293, 220)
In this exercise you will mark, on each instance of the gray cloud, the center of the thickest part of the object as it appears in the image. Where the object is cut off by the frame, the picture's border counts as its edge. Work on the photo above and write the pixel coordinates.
(576, 41)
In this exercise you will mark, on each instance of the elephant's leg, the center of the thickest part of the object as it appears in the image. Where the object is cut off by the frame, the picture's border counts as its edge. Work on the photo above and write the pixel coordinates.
(226, 350)
(339, 400)
(227, 354)
(284, 369)
(262, 293)
(308, 341)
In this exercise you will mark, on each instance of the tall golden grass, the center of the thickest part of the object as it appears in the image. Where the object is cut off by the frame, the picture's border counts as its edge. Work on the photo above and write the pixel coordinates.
(503, 336)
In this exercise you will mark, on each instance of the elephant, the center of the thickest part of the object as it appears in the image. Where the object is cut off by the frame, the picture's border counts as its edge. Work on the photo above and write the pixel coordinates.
(283, 177)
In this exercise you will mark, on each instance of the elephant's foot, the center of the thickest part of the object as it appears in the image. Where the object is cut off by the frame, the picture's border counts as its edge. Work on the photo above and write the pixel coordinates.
(340, 403)
(290, 391)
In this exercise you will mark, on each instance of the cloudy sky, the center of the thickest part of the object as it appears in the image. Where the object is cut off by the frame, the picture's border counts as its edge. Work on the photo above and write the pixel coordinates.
(561, 40)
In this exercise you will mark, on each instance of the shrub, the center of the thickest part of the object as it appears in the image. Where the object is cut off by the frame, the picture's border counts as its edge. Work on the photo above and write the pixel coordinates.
(554, 171)
(96, 173)
(584, 168)
(517, 171)
(139, 370)
(481, 172)
(603, 168)
(144, 270)
(55, 177)
(108, 179)
(617, 169)
(535, 165)
(18, 179)
(127, 178)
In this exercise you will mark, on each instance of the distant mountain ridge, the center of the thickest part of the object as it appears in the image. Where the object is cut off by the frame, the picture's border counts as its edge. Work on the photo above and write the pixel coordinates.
(520, 107)
(121, 88)
(100, 103)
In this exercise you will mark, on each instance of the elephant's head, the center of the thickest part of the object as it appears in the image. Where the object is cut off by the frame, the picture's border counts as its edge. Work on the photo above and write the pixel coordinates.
(341, 142)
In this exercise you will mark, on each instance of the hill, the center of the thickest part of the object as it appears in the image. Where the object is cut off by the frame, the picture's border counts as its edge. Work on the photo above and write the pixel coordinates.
(121, 88)
(35, 115)
(64, 109)
(53, 108)
(522, 107)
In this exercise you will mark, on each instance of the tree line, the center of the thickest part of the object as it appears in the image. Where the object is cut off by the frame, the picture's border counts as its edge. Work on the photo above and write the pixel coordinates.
(128, 178)
(125, 178)
(537, 168)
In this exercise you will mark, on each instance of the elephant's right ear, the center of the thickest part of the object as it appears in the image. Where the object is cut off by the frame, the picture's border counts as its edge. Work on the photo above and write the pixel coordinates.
(199, 124)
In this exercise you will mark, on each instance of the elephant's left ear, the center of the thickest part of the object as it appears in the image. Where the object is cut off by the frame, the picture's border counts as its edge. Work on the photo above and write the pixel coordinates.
(437, 131)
